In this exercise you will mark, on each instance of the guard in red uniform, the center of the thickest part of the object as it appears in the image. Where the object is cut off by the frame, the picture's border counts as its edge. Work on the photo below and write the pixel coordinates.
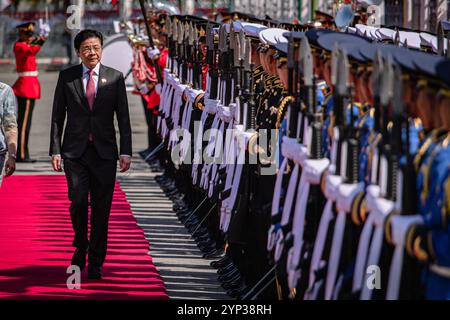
(27, 88)
(150, 96)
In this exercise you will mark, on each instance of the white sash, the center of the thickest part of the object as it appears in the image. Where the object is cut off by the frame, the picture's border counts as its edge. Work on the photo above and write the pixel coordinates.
(399, 226)
(382, 208)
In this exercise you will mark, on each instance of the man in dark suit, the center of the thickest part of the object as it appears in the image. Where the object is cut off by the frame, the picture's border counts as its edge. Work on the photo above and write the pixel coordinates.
(87, 96)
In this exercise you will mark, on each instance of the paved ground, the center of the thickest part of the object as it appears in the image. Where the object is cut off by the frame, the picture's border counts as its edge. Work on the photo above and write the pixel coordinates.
(186, 274)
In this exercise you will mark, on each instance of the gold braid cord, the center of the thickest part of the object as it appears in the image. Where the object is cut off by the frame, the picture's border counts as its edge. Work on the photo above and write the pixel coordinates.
(280, 112)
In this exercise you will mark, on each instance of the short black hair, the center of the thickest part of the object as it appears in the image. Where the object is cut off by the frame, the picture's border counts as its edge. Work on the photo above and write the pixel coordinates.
(86, 34)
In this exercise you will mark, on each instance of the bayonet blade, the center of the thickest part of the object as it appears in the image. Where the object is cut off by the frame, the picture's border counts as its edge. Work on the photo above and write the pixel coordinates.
(241, 40)
(334, 65)
(169, 27)
(209, 37)
(377, 73)
(175, 31)
(223, 39)
(387, 82)
(180, 33)
(290, 53)
(191, 34)
(248, 54)
(397, 100)
(306, 62)
(343, 76)
(232, 36)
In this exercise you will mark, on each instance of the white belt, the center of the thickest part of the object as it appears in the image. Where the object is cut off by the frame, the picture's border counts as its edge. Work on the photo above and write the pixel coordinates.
(28, 74)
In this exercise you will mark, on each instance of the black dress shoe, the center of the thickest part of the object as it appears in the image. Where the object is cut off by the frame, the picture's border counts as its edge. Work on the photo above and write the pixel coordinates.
(94, 272)
(79, 258)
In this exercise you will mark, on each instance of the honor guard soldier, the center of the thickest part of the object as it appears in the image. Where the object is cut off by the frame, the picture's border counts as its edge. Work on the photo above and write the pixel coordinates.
(27, 88)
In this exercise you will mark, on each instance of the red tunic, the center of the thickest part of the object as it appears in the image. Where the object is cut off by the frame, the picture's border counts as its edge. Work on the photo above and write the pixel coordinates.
(26, 86)
(153, 98)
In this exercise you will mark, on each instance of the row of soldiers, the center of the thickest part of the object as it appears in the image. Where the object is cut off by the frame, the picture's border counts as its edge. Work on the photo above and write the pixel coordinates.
(313, 164)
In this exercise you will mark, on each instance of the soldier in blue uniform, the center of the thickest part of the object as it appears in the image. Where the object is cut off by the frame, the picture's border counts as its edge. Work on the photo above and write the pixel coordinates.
(430, 243)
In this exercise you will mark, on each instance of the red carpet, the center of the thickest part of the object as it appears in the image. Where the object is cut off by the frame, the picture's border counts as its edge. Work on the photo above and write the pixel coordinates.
(35, 246)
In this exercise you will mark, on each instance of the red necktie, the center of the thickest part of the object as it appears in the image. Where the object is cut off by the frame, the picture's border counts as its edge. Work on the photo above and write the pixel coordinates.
(90, 94)
(90, 89)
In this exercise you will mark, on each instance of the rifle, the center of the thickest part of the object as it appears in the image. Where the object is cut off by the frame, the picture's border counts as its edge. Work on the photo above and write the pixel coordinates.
(249, 93)
(182, 52)
(224, 64)
(196, 61)
(352, 170)
(211, 61)
(293, 111)
(176, 53)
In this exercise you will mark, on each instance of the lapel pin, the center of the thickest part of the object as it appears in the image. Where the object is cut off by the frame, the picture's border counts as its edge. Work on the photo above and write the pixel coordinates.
(103, 80)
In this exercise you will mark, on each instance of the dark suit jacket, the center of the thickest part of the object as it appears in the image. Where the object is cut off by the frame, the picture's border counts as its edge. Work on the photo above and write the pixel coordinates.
(70, 103)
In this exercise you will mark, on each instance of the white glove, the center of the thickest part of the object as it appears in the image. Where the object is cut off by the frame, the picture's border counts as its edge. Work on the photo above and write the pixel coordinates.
(143, 88)
(153, 52)
(158, 88)
(44, 28)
